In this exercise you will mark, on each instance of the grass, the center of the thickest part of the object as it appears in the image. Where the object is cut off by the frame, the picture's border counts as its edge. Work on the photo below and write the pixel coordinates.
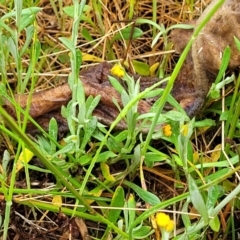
(116, 181)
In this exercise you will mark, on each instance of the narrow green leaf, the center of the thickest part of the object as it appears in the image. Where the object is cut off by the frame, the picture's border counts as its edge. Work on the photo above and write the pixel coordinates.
(126, 34)
(89, 128)
(215, 224)
(53, 133)
(104, 156)
(214, 193)
(12, 48)
(131, 203)
(78, 58)
(141, 68)
(26, 11)
(142, 233)
(66, 149)
(237, 43)
(86, 35)
(85, 159)
(117, 202)
(182, 26)
(26, 21)
(29, 34)
(92, 105)
(224, 64)
(154, 93)
(115, 83)
(5, 160)
(186, 217)
(205, 123)
(69, 10)
(67, 43)
(154, 157)
(197, 199)
(143, 194)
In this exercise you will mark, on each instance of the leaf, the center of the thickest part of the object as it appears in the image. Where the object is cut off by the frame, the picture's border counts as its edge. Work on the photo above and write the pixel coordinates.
(88, 129)
(29, 34)
(90, 58)
(156, 39)
(5, 161)
(85, 159)
(143, 194)
(96, 192)
(78, 58)
(25, 156)
(3, 93)
(154, 93)
(214, 91)
(121, 136)
(103, 157)
(66, 149)
(155, 157)
(26, 11)
(224, 116)
(174, 115)
(181, 25)
(69, 10)
(153, 69)
(215, 224)
(106, 172)
(126, 34)
(214, 193)
(117, 202)
(57, 201)
(224, 64)
(91, 105)
(186, 216)
(141, 68)
(237, 43)
(12, 48)
(142, 233)
(205, 123)
(115, 83)
(26, 21)
(67, 43)
(197, 199)
(216, 153)
(129, 215)
(53, 133)
(177, 159)
(86, 35)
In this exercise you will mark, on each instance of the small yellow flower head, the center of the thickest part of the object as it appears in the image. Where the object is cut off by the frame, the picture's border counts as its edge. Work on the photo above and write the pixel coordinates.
(170, 226)
(167, 130)
(117, 71)
(162, 220)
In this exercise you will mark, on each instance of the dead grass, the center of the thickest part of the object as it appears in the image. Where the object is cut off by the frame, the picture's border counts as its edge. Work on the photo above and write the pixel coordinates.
(54, 67)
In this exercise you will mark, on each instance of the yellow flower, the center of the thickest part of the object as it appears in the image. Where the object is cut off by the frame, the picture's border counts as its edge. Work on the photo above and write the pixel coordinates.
(162, 220)
(117, 71)
(167, 130)
(170, 226)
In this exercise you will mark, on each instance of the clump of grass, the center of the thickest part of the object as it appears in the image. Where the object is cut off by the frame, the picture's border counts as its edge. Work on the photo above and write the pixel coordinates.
(98, 168)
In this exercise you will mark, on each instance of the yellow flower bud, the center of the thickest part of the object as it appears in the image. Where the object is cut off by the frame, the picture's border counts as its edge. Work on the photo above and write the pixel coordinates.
(162, 220)
(184, 130)
(170, 226)
(117, 70)
(167, 130)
